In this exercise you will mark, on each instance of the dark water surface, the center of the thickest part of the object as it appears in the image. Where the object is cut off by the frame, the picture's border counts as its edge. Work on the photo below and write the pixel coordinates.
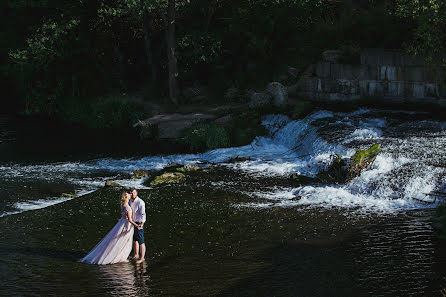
(232, 230)
(198, 244)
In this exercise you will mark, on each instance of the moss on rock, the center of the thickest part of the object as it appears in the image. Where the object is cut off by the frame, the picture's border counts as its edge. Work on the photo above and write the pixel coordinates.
(67, 195)
(188, 168)
(362, 159)
(168, 178)
(140, 173)
(112, 184)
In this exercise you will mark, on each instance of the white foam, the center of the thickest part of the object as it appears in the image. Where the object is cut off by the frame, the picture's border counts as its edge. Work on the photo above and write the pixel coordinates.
(398, 174)
(35, 204)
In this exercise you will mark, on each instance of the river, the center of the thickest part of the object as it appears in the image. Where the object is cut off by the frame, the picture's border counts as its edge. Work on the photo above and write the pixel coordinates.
(235, 231)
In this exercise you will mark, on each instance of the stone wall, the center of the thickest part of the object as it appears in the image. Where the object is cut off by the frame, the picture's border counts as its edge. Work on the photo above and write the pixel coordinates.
(389, 75)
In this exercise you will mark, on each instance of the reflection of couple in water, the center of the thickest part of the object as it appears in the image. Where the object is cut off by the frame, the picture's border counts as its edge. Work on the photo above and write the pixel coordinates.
(117, 244)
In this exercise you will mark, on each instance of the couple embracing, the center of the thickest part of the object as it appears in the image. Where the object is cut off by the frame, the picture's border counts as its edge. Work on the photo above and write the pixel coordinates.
(129, 231)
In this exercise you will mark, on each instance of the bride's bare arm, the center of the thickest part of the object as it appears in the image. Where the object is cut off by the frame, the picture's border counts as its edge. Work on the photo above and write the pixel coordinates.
(129, 217)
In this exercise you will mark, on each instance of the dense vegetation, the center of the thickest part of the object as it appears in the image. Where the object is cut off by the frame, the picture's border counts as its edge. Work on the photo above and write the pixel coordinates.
(59, 57)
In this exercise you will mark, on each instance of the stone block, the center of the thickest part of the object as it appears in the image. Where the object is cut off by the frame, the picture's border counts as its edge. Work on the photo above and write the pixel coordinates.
(371, 88)
(329, 86)
(368, 72)
(348, 87)
(376, 56)
(417, 90)
(323, 69)
(388, 73)
(431, 90)
(332, 56)
(413, 73)
(395, 89)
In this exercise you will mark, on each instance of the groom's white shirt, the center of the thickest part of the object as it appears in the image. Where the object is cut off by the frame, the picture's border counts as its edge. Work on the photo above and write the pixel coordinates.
(139, 210)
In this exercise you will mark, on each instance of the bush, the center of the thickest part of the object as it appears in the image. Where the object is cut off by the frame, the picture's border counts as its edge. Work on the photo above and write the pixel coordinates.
(301, 109)
(106, 112)
(205, 136)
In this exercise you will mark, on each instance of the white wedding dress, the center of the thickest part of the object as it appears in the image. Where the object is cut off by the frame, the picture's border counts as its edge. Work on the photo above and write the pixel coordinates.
(116, 245)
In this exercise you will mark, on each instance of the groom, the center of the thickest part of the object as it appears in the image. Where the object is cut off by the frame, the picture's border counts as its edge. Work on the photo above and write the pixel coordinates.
(139, 217)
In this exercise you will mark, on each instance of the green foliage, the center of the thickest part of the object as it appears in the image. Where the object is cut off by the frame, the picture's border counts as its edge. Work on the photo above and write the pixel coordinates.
(429, 38)
(362, 155)
(148, 132)
(301, 109)
(197, 49)
(245, 126)
(205, 136)
(168, 178)
(109, 112)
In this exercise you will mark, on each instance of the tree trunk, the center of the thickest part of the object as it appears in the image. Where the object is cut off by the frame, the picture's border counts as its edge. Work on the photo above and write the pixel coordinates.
(121, 65)
(172, 59)
(211, 11)
(145, 24)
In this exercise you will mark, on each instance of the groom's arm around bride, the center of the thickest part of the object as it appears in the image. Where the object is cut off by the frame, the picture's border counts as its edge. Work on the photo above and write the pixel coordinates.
(139, 216)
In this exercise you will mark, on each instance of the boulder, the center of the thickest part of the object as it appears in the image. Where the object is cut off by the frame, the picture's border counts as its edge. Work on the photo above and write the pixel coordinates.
(140, 173)
(223, 120)
(231, 93)
(111, 184)
(169, 126)
(361, 160)
(188, 168)
(168, 178)
(278, 93)
(296, 198)
(194, 94)
(67, 195)
(332, 56)
(259, 99)
(238, 159)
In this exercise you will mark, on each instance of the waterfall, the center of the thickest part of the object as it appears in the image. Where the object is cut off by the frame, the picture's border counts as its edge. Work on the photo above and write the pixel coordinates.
(410, 169)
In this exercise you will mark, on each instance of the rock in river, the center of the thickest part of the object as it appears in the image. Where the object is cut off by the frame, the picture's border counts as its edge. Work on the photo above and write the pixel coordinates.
(362, 159)
(168, 178)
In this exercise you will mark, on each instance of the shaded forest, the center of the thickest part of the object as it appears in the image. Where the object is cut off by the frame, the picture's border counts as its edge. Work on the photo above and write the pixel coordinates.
(69, 59)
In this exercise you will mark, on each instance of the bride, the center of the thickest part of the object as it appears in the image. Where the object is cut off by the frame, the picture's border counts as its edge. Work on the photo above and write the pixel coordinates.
(117, 244)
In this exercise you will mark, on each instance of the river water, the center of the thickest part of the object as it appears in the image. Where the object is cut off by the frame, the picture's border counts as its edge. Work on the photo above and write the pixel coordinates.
(246, 236)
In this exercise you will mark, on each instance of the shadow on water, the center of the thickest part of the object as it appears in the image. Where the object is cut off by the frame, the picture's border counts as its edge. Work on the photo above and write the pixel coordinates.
(299, 270)
(43, 252)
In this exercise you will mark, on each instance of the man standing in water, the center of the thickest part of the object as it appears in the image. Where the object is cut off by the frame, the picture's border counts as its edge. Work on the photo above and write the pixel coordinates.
(139, 217)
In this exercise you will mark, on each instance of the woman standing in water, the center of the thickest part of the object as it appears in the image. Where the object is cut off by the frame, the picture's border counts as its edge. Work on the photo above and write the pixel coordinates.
(117, 244)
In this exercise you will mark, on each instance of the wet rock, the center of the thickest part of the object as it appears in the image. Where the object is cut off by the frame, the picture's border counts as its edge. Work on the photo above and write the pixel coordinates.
(171, 167)
(140, 173)
(361, 160)
(111, 184)
(194, 94)
(231, 93)
(67, 195)
(169, 126)
(223, 120)
(188, 168)
(238, 159)
(168, 178)
(259, 99)
(278, 93)
(296, 198)
(336, 171)
(333, 56)
(302, 179)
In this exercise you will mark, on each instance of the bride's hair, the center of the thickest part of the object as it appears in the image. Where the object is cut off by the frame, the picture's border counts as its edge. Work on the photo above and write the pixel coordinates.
(125, 197)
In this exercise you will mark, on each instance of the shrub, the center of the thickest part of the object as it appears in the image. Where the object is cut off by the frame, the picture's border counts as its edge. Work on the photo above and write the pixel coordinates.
(108, 112)
(301, 109)
(205, 136)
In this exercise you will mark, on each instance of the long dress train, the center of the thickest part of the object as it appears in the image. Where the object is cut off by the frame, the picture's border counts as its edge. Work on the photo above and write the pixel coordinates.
(116, 245)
